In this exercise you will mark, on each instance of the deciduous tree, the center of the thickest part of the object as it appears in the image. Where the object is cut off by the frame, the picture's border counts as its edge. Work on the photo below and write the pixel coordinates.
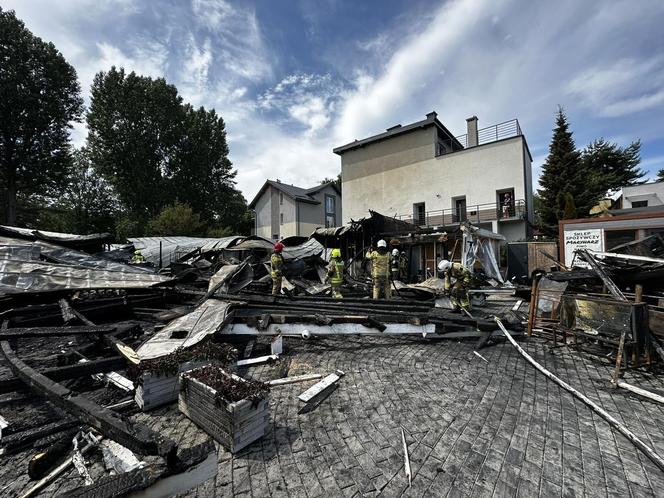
(39, 99)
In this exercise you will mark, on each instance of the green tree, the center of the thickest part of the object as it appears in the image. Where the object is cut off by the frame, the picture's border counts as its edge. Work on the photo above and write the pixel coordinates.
(135, 128)
(570, 208)
(88, 200)
(177, 219)
(203, 175)
(660, 175)
(612, 166)
(39, 98)
(563, 173)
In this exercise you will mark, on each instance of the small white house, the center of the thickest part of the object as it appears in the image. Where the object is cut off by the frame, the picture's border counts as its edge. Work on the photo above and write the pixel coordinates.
(644, 195)
(283, 210)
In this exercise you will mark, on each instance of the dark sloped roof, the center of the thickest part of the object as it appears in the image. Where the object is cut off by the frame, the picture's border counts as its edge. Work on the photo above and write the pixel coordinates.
(431, 120)
(297, 193)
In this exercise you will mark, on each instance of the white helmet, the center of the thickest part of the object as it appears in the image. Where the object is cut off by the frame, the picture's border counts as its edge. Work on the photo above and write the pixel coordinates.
(395, 252)
(444, 265)
(382, 243)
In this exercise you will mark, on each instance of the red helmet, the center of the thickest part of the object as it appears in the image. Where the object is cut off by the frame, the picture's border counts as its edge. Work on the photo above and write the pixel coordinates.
(278, 247)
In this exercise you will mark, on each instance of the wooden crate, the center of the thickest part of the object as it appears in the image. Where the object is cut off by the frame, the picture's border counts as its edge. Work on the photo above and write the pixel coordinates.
(233, 425)
(154, 390)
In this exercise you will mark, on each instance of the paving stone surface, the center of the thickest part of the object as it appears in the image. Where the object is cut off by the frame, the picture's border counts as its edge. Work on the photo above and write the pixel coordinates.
(473, 428)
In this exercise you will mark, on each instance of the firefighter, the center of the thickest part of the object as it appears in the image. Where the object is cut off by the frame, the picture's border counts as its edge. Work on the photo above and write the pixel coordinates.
(458, 296)
(403, 267)
(277, 268)
(138, 257)
(394, 265)
(335, 272)
(380, 270)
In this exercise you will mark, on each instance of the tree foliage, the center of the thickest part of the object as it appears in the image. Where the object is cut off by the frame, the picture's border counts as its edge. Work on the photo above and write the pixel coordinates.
(39, 98)
(134, 132)
(155, 150)
(562, 174)
(177, 219)
(336, 181)
(660, 175)
(573, 181)
(613, 166)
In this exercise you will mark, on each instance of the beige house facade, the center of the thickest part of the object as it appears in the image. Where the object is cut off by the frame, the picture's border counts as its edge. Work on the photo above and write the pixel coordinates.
(283, 210)
(423, 174)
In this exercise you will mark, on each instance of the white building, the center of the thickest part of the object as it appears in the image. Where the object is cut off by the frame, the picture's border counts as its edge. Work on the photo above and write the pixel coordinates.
(283, 210)
(644, 195)
(422, 173)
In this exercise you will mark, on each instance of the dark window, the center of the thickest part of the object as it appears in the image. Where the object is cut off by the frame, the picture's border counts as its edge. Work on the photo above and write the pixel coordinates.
(281, 198)
(613, 238)
(281, 218)
(639, 204)
(330, 221)
(419, 214)
(330, 204)
(459, 214)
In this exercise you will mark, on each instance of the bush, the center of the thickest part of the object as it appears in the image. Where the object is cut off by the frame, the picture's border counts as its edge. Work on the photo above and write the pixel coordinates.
(177, 219)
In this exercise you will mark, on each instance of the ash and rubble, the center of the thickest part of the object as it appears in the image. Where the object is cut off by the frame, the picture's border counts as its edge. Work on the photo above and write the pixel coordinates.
(81, 327)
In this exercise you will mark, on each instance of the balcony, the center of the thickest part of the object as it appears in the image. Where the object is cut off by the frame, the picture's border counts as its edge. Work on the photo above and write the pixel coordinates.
(475, 214)
(494, 133)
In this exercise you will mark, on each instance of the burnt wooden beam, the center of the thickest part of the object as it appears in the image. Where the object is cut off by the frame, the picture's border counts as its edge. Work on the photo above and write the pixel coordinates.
(119, 484)
(21, 332)
(611, 287)
(136, 437)
(103, 365)
(18, 440)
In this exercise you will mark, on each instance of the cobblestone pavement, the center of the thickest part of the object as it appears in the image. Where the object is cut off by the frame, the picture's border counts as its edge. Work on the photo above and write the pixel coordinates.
(473, 428)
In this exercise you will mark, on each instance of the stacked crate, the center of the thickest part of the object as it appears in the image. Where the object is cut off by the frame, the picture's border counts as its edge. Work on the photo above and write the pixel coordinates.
(233, 425)
(156, 389)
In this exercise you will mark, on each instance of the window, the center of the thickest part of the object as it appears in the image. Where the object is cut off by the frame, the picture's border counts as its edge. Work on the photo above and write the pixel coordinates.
(281, 198)
(281, 218)
(419, 214)
(330, 204)
(459, 213)
(275, 236)
(639, 204)
(330, 221)
(505, 208)
(615, 238)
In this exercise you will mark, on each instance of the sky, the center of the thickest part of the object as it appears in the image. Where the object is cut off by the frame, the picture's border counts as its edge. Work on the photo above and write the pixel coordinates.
(294, 79)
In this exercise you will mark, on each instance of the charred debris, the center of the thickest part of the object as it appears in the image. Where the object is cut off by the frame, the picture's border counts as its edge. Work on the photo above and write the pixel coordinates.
(90, 344)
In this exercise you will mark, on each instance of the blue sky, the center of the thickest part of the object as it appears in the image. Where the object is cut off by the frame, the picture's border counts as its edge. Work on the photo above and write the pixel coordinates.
(293, 79)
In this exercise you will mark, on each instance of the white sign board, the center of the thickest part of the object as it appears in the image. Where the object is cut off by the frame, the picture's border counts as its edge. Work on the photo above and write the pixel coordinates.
(592, 239)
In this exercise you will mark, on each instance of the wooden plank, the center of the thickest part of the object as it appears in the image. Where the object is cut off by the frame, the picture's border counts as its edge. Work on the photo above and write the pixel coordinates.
(256, 361)
(20, 332)
(134, 436)
(294, 379)
(103, 365)
(611, 287)
(319, 387)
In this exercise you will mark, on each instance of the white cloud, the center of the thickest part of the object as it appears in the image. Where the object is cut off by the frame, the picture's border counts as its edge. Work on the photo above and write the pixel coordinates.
(623, 87)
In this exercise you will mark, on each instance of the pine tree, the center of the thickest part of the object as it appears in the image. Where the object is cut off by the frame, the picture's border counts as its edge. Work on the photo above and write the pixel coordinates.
(613, 166)
(561, 175)
(660, 175)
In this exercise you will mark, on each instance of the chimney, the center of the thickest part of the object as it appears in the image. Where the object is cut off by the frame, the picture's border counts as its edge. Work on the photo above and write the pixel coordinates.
(278, 181)
(432, 115)
(471, 124)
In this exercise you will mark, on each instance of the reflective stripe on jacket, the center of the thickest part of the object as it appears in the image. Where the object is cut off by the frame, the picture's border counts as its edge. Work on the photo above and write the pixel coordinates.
(380, 264)
(335, 271)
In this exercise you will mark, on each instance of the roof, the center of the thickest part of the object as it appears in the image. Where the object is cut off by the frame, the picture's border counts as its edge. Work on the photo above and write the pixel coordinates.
(431, 120)
(297, 193)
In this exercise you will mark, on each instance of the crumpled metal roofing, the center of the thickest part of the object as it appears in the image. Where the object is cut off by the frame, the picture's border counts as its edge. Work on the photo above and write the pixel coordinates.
(52, 236)
(172, 248)
(23, 269)
(39, 276)
(309, 248)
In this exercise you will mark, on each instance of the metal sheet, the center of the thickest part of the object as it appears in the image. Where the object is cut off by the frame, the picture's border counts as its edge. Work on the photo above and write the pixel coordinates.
(187, 330)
